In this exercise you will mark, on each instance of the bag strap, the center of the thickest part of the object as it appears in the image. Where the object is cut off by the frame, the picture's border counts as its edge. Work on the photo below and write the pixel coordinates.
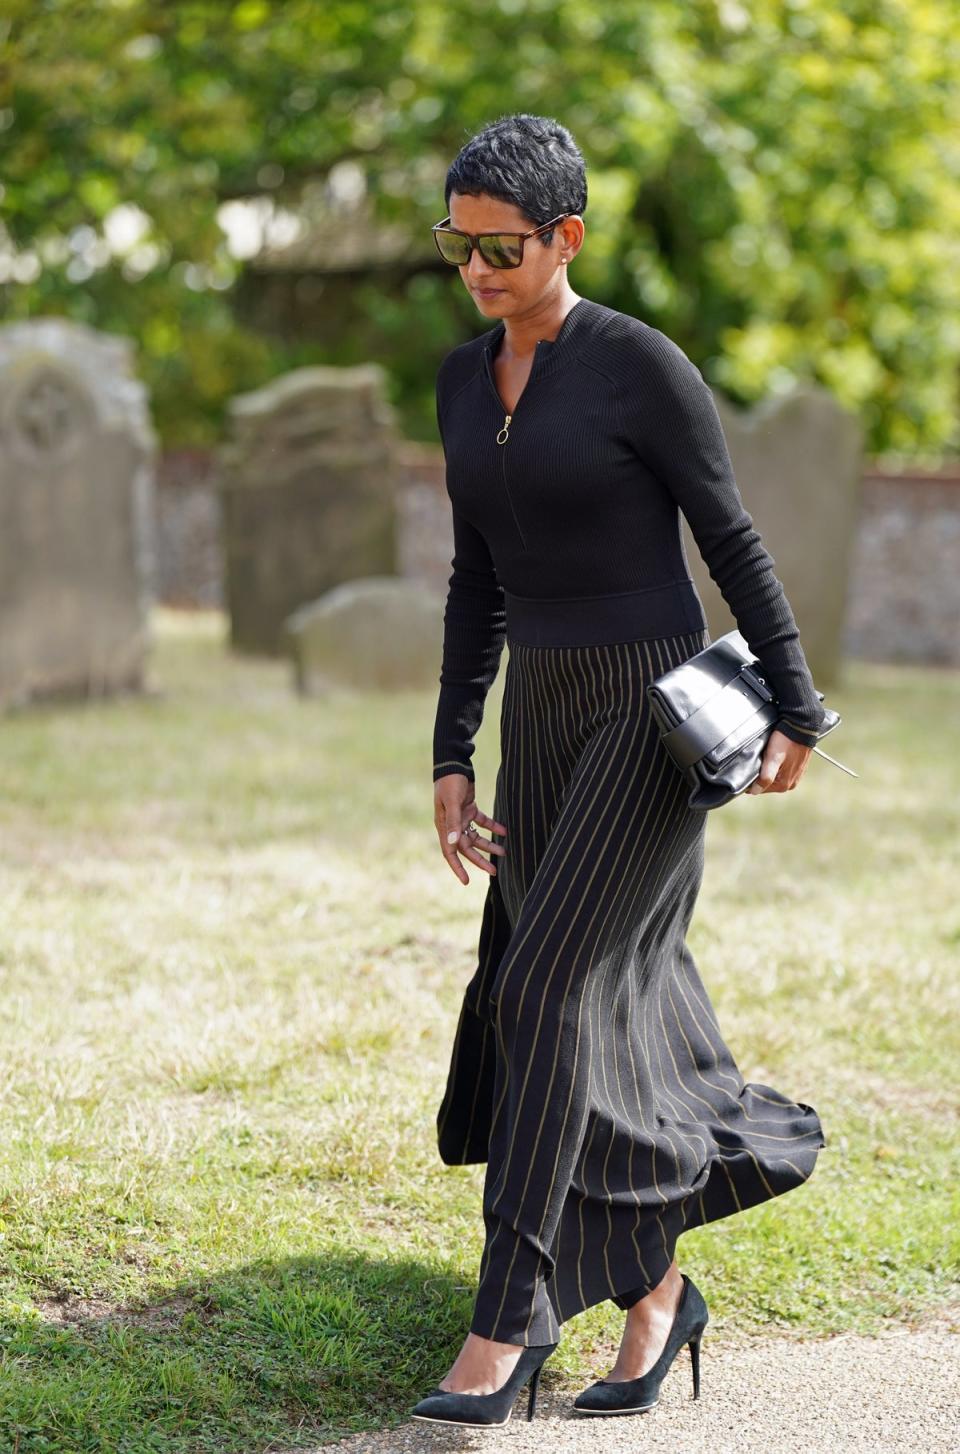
(710, 724)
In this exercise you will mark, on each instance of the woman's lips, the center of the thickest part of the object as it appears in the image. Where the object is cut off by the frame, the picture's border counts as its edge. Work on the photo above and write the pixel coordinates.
(489, 292)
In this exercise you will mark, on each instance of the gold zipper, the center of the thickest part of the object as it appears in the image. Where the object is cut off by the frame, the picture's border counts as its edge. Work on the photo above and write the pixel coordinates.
(504, 432)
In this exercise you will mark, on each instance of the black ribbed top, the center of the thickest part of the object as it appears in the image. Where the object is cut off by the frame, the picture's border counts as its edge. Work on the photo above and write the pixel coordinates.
(578, 495)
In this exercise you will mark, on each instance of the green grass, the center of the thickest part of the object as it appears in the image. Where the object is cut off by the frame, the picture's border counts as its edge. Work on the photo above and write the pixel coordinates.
(231, 961)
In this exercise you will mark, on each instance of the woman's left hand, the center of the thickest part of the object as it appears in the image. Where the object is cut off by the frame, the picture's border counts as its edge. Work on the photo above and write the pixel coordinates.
(784, 763)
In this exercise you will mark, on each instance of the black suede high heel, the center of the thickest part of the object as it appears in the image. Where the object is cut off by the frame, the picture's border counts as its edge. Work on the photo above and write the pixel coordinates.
(488, 1410)
(635, 1395)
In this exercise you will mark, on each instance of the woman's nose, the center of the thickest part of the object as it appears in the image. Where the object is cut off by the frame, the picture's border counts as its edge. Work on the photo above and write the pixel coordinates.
(478, 271)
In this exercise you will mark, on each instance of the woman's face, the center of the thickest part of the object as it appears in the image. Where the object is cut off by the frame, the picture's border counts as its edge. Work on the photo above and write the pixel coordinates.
(503, 292)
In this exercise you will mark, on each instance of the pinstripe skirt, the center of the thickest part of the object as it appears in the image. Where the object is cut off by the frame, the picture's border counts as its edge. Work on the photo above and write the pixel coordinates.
(588, 1068)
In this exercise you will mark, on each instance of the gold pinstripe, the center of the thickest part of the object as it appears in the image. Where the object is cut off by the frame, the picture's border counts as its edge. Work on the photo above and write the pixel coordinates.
(697, 1072)
(793, 1167)
(639, 1099)
(473, 1105)
(715, 1038)
(580, 1220)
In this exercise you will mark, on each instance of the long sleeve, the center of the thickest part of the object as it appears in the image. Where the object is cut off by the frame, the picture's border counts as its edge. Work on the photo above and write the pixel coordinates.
(474, 632)
(679, 436)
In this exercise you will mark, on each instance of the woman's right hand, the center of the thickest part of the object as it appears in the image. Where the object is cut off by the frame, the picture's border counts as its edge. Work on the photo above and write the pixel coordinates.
(455, 814)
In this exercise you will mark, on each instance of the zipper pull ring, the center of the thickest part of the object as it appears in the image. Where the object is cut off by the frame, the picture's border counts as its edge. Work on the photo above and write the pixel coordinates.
(504, 433)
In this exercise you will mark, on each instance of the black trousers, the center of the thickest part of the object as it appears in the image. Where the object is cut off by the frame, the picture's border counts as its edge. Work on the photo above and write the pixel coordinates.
(588, 1069)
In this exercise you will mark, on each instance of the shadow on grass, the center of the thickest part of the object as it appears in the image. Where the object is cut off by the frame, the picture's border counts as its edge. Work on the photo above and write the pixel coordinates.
(266, 1356)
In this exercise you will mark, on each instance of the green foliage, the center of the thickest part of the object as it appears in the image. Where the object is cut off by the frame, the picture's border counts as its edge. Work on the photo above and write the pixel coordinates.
(776, 185)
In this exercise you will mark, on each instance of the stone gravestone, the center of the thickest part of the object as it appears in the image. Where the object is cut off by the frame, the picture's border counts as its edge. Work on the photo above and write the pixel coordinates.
(76, 513)
(798, 461)
(382, 633)
(309, 494)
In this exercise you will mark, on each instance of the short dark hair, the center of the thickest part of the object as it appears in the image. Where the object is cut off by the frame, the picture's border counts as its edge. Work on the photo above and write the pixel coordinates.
(531, 161)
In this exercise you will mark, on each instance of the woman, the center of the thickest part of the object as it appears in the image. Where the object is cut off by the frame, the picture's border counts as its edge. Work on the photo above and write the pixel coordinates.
(588, 1068)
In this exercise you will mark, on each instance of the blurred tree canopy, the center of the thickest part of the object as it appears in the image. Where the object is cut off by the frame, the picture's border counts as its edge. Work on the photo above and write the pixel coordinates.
(774, 183)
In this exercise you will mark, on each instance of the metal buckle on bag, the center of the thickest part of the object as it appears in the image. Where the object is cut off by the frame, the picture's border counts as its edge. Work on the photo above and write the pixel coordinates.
(756, 681)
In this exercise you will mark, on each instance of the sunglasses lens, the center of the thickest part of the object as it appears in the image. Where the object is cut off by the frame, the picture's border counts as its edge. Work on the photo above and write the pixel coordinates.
(453, 248)
(501, 249)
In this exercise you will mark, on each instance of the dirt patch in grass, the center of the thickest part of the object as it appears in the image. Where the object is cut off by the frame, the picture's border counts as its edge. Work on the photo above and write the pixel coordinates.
(69, 1307)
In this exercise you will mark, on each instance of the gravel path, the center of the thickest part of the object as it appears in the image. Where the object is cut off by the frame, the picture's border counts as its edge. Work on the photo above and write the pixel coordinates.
(897, 1391)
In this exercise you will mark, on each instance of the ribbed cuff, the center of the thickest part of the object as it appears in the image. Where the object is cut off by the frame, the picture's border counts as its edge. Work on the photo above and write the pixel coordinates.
(790, 729)
(444, 769)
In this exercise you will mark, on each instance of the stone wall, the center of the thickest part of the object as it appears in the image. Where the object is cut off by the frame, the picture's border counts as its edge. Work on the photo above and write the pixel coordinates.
(904, 592)
(189, 550)
(903, 599)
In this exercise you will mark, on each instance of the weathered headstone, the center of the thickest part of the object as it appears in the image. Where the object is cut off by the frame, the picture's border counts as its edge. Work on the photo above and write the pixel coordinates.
(76, 513)
(382, 632)
(798, 460)
(308, 486)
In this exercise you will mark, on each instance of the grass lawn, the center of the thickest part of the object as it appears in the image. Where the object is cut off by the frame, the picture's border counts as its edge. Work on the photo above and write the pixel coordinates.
(231, 960)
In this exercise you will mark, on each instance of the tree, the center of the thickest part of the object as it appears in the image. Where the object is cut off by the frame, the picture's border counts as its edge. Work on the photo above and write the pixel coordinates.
(775, 184)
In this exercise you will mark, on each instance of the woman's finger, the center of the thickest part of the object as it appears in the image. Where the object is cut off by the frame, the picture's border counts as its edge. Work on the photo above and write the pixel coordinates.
(770, 765)
(486, 821)
(486, 845)
(455, 819)
(473, 842)
(780, 771)
(450, 816)
(471, 851)
(452, 856)
(467, 849)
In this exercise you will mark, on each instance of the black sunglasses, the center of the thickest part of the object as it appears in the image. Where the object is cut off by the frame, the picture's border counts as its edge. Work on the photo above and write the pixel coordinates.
(499, 249)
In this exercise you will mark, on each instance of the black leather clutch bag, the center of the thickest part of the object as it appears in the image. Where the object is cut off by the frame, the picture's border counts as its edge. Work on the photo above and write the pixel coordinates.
(715, 712)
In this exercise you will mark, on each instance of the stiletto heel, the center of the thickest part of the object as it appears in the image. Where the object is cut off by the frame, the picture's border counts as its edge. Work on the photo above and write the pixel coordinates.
(488, 1410)
(695, 1362)
(636, 1395)
(532, 1396)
